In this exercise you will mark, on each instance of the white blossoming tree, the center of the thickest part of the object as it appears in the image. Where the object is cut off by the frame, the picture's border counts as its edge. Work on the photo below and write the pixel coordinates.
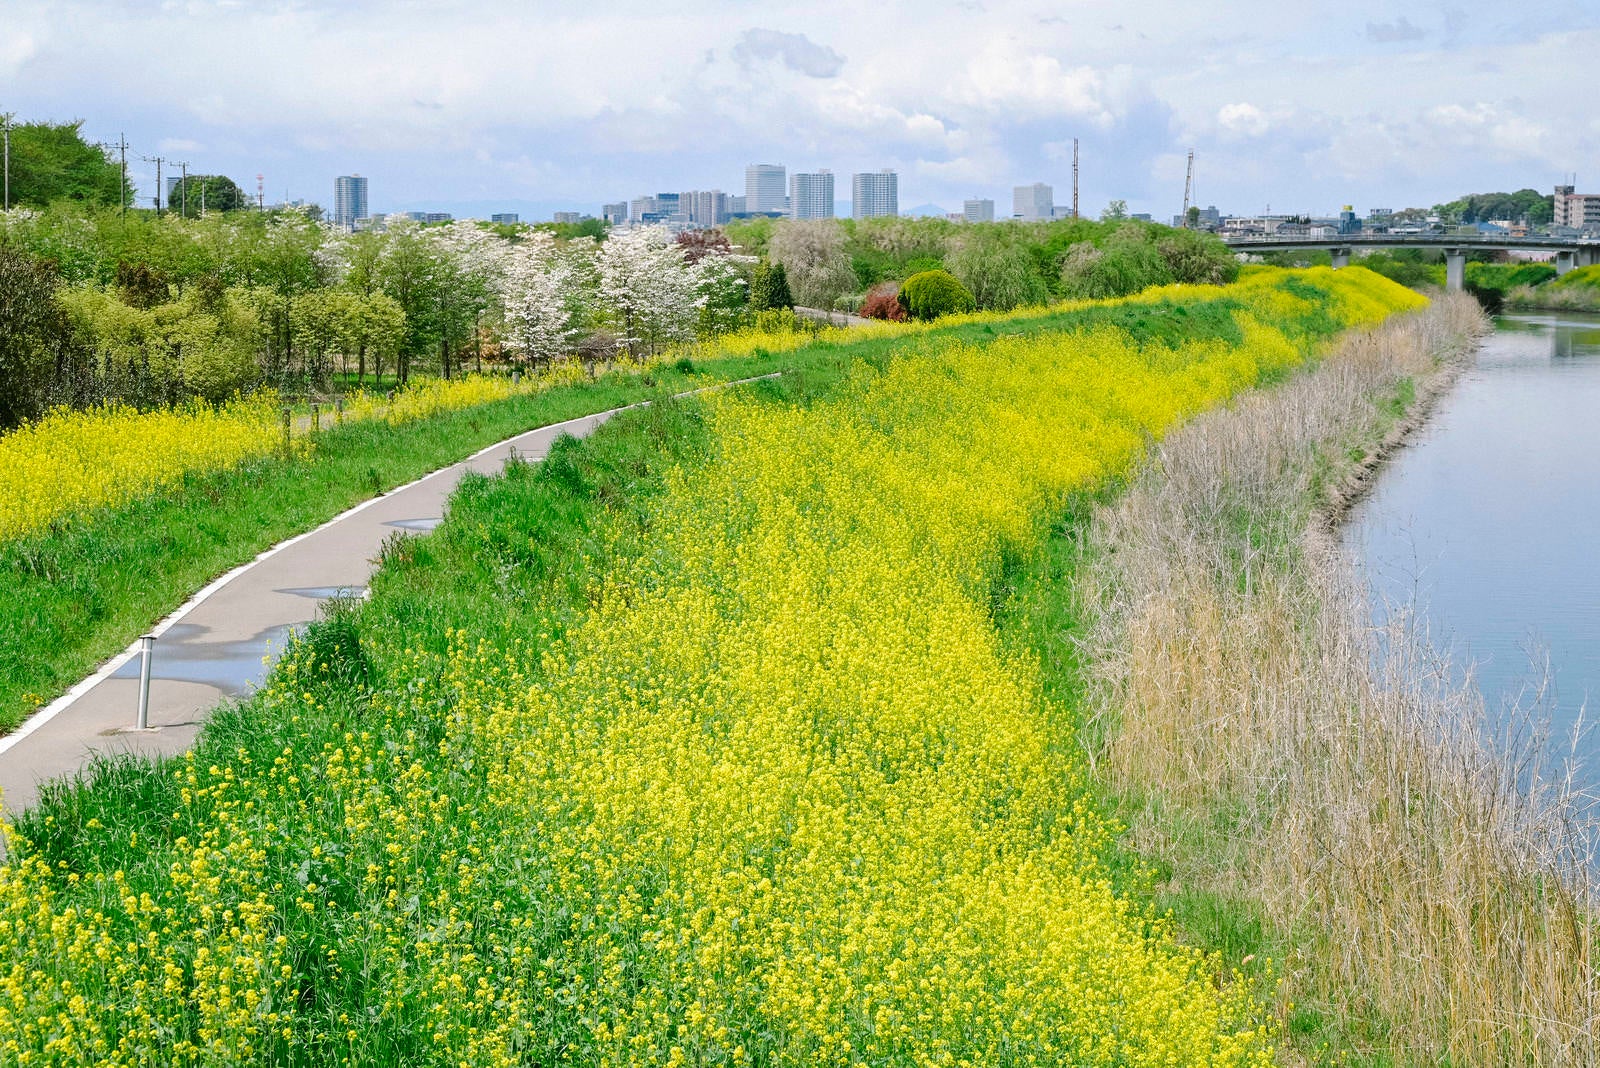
(652, 292)
(540, 292)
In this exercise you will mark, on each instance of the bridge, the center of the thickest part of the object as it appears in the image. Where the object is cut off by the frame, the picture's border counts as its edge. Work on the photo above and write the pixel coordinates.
(1570, 252)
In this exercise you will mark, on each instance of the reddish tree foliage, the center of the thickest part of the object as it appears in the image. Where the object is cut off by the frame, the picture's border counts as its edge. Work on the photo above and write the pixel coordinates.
(698, 244)
(883, 302)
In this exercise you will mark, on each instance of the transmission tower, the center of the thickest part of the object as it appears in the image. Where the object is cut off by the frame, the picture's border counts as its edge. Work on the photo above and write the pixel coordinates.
(1074, 177)
(1188, 187)
(261, 192)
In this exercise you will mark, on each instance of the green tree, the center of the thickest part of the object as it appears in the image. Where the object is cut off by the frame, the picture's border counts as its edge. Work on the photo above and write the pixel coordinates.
(51, 161)
(999, 273)
(34, 336)
(213, 192)
(931, 294)
(1115, 211)
(769, 288)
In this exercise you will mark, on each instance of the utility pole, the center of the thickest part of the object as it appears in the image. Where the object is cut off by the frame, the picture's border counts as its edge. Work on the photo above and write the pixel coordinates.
(183, 190)
(1188, 185)
(122, 188)
(1074, 177)
(158, 161)
(6, 120)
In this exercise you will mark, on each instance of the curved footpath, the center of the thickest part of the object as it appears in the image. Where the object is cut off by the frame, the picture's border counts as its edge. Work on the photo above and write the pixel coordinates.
(222, 641)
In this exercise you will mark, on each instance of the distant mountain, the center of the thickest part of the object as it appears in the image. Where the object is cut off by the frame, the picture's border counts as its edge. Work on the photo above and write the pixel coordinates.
(923, 210)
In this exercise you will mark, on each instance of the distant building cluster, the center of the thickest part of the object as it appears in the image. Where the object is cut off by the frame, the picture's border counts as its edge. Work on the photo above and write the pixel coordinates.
(769, 191)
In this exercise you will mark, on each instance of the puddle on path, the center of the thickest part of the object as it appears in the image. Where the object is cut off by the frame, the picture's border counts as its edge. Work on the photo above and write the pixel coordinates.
(415, 524)
(183, 655)
(325, 593)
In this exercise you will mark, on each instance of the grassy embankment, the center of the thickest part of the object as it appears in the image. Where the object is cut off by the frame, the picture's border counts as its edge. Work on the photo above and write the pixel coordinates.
(695, 743)
(1351, 825)
(78, 586)
(1577, 290)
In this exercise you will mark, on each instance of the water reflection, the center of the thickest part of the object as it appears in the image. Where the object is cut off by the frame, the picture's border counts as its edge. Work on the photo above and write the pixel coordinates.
(1486, 525)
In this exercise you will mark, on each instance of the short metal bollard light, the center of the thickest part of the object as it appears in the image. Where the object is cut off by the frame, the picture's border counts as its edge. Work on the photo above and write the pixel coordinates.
(287, 447)
(148, 644)
(316, 418)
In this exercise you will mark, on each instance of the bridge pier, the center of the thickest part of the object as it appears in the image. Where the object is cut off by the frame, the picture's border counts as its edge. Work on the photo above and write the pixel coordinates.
(1455, 268)
(1566, 260)
(1587, 255)
(1340, 257)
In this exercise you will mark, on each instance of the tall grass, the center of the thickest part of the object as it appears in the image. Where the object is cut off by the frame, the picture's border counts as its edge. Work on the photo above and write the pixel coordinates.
(1327, 783)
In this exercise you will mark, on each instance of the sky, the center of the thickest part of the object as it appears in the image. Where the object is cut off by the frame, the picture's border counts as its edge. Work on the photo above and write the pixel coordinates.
(494, 105)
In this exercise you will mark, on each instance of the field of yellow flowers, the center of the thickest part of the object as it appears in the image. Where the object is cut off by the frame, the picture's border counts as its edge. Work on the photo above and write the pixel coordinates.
(733, 768)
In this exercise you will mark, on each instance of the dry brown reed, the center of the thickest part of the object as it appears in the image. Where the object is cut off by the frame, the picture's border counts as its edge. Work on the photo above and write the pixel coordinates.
(1432, 891)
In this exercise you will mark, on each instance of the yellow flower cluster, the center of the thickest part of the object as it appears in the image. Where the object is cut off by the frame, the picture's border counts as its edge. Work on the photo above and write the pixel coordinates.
(780, 797)
(70, 462)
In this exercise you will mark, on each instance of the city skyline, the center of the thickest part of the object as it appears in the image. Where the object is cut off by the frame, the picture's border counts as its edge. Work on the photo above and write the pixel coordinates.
(1302, 109)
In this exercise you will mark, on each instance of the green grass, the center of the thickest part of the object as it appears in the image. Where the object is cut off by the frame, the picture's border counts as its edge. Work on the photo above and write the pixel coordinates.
(76, 594)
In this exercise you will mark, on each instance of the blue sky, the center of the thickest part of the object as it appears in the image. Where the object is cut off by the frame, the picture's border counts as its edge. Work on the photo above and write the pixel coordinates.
(479, 106)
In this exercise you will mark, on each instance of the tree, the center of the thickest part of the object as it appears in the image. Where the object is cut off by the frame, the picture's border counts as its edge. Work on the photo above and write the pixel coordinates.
(1127, 262)
(34, 336)
(812, 253)
(539, 314)
(51, 161)
(650, 290)
(769, 288)
(212, 192)
(1115, 211)
(1197, 259)
(930, 294)
(999, 273)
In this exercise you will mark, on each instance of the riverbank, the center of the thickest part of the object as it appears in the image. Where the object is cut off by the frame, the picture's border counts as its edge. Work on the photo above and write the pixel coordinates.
(1309, 793)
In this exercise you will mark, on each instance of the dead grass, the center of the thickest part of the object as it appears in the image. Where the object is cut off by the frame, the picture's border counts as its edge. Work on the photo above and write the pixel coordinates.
(1429, 889)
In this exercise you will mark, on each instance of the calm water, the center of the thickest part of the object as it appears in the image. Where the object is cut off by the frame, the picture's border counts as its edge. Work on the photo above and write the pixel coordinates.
(1488, 524)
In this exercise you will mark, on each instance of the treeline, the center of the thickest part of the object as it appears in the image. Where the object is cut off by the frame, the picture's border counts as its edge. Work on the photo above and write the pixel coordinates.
(149, 310)
(852, 265)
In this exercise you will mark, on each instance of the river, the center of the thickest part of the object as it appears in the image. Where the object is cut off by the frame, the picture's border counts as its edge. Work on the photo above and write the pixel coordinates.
(1487, 524)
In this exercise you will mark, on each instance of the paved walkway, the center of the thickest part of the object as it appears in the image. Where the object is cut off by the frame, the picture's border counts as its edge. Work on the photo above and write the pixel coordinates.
(220, 644)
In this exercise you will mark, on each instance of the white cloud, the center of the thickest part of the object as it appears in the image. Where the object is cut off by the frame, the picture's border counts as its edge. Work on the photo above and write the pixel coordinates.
(1243, 120)
(1289, 103)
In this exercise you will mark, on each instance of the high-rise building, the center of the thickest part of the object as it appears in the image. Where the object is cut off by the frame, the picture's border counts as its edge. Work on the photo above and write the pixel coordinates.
(1033, 203)
(703, 208)
(349, 200)
(811, 195)
(874, 193)
(569, 218)
(978, 211)
(616, 214)
(505, 218)
(764, 188)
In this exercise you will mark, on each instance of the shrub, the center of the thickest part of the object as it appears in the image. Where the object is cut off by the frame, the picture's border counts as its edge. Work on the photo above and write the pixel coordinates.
(930, 294)
(883, 302)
